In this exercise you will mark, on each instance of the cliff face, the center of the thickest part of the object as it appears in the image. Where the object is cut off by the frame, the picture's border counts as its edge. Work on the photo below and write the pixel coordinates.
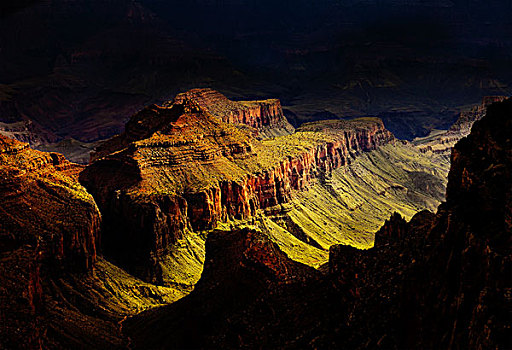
(182, 168)
(438, 281)
(266, 116)
(443, 143)
(49, 225)
(448, 275)
(40, 193)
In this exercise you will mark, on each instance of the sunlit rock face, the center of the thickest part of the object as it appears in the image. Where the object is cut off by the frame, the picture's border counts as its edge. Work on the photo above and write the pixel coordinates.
(180, 167)
(266, 116)
(49, 227)
(437, 281)
(45, 207)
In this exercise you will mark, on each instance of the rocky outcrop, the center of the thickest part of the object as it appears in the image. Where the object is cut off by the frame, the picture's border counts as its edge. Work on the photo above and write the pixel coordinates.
(444, 142)
(180, 168)
(466, 119)
(447, 275)
(49, 226)
(240, 267)
(43, 205)
(265, 116)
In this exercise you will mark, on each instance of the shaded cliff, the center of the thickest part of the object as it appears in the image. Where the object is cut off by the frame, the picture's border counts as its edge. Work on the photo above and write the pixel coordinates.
(39, 193)
(442, 142)
(240, 268)
(438, 281)
(179, 168)
(56, 291)
(446, 278)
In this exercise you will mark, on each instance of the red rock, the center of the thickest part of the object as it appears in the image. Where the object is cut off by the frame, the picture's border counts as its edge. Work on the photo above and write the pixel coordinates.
(262, 115)
(43, 205)
(179, 166)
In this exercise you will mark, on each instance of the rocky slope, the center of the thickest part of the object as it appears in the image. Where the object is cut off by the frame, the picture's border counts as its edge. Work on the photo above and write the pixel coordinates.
(40, 192)
(441, 142)
(265, 116)
(180, 168)
(438, 281)
(56, 292)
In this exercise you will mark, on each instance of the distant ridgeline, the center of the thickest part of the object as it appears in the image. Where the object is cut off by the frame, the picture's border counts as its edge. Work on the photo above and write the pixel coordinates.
(442, 142)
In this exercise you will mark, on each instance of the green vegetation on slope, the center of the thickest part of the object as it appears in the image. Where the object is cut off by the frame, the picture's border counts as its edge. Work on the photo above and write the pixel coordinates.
(351, 204)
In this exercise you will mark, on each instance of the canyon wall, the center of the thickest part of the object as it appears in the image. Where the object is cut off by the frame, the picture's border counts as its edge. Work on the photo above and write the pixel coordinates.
(445, 277)
(193, 171)
(49, 227)
(439, 281)
(39, 194)
(443, 143)
(266, 116)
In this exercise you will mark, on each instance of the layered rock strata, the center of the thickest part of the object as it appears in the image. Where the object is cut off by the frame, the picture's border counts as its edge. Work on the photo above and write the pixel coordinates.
(266, 116)
(438, 281)
(189, 170)
(49, 226)
(44, 206)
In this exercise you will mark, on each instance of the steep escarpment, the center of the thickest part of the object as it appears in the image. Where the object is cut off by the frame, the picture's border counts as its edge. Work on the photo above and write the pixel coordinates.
(191, 171)
(265, 116)
(49, 226)
(56, 291)
(438, 281)
(442, 142)
(39, 193)
(452, 273)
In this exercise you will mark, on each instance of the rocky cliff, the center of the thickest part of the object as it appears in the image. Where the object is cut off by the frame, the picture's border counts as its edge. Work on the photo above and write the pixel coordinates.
(179, 167)
(49, 226)
(448, 276)
(443, 142)
(266, 116)
(45, 206)
(438, 281)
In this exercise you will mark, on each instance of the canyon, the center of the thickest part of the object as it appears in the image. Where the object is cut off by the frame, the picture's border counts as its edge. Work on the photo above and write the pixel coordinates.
(442, 142)
(217, 213)
(437, 281)
(179, 170)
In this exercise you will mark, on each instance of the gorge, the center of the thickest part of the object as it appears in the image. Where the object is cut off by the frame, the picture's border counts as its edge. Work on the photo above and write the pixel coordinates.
(112, 253)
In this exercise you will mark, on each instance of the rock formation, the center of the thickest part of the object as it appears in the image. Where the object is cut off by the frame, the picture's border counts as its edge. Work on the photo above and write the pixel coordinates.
(438, 281)
(178, 167)
(240, 267)
(182, 170)
(44, 206)
(266, 116)
(49, 225)
(442, 143)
